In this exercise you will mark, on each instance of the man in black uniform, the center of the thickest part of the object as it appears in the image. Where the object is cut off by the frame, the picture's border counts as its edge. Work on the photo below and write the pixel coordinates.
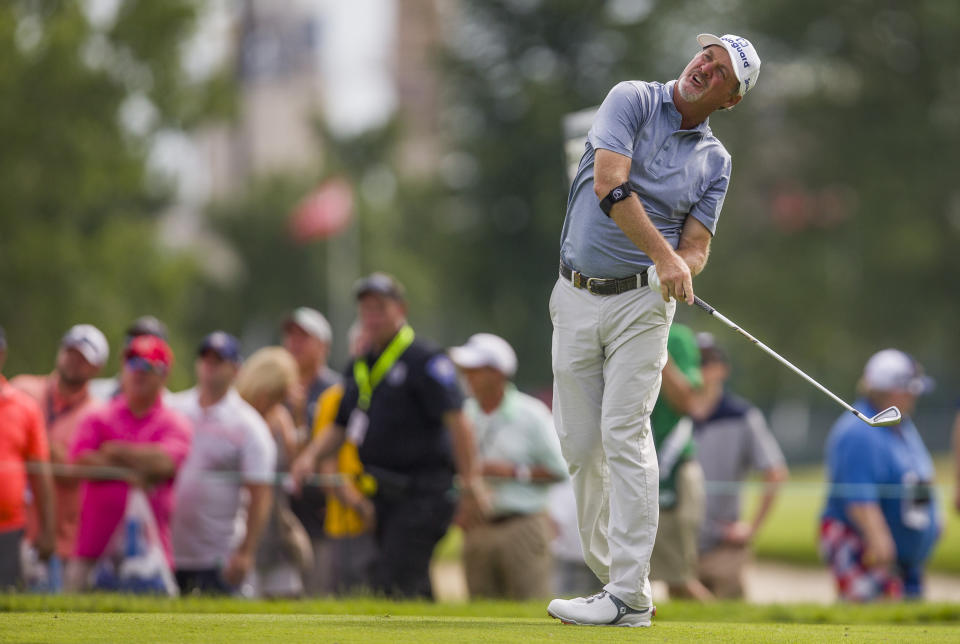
(402, 409)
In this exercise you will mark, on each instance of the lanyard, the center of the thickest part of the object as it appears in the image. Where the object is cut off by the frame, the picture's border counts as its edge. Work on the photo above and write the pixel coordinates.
(367, 379)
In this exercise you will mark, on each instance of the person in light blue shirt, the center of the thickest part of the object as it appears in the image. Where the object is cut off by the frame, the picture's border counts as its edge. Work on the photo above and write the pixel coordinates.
(880, 522)
(507, 555)
(642, 210)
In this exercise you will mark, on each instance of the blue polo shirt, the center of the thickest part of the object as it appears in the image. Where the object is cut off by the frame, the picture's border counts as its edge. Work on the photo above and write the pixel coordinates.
(889, 466)
(675, 173)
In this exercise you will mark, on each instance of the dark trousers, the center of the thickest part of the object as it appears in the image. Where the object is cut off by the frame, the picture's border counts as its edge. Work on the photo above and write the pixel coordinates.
(202, 582)
(408, 528)
(11, 576)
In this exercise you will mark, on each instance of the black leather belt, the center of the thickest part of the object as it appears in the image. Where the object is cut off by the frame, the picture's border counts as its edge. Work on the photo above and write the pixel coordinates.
(598, 286)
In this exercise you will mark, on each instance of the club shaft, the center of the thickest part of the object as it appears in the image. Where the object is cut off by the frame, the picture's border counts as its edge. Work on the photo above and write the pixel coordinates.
(715, 313)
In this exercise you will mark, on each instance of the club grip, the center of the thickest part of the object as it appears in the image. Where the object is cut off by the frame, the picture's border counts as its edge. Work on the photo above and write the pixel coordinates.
(703, 305)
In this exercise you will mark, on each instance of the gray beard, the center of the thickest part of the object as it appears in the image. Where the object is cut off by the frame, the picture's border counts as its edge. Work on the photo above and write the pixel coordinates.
(688, 96)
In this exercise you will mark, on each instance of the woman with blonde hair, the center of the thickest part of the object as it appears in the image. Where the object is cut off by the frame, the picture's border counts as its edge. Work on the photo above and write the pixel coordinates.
(285, 551)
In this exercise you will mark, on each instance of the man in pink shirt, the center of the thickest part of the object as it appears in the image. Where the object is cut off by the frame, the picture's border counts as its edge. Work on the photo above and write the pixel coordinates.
(64, 399)
(137, 432)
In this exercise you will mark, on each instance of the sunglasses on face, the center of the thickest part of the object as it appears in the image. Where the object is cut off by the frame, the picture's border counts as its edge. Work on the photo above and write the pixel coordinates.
(136, 363)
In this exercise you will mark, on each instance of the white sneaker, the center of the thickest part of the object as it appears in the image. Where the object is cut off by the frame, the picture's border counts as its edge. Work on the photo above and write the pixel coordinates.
(602, 609)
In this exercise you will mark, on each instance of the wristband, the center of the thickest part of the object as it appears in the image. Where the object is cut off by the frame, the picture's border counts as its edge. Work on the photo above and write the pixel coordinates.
(619, 193)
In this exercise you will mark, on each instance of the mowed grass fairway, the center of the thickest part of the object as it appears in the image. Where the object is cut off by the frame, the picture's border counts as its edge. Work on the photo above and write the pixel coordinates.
(140, 620)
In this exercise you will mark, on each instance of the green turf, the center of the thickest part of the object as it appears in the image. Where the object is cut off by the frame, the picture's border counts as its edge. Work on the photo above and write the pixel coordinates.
(151, 627)
(139, 620)
(790, 533)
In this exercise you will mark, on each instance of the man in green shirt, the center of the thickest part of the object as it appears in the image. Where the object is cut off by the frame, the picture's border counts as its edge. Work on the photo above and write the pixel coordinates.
(507, 554)
(682, 496)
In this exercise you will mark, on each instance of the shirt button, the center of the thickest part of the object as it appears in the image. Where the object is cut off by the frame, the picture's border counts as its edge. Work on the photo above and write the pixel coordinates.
(657, 162)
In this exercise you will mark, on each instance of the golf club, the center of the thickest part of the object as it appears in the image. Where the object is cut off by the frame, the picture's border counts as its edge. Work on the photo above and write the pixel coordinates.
(887, 417)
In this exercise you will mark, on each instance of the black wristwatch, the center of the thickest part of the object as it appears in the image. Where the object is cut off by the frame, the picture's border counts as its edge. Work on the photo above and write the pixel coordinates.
(619, 193)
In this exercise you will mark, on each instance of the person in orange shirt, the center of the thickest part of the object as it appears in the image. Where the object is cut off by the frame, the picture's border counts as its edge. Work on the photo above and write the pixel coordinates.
(23, 440)
(64, 398)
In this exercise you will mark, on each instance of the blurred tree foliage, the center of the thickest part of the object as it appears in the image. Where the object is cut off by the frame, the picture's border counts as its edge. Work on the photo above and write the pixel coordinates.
(81, 101)
(389, 232)
(836, 235)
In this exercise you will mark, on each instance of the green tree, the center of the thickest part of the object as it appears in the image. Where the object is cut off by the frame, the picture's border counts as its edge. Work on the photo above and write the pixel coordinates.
(82, 101)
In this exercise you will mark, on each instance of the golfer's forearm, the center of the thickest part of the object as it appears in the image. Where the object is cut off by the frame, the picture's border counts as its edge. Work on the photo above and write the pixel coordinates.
(632, 218)
(695, 258)
(694, 245)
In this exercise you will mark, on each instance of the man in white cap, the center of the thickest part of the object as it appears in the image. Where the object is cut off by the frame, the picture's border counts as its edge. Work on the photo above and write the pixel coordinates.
(307, 336)
(880, 523)
(507, 555)
(64, 397)
(642, 210)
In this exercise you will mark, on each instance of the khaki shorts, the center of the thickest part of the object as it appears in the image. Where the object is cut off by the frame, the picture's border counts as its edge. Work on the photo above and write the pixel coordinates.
(721, 570)
(510, 559)
(674, 558)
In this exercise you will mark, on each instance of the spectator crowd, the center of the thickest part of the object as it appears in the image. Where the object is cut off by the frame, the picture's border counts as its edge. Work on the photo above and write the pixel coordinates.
(277, 476)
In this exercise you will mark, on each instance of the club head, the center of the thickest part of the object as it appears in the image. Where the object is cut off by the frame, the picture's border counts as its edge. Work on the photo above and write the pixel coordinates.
(889, 416)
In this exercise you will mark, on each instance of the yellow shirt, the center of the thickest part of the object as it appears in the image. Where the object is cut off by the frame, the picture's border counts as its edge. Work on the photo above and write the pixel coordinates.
(341, 521)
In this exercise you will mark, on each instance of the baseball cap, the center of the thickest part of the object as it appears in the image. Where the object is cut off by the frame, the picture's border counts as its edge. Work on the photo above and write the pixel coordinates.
(486, 350)
(223, 344)
(147, 325)
(311, 321)
(151, 349)
(710, 351)
(381, 284)
(743, 57)
(89, 341)
(892, 369)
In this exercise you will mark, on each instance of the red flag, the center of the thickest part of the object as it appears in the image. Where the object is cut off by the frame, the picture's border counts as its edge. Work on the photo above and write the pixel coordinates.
(323, 213)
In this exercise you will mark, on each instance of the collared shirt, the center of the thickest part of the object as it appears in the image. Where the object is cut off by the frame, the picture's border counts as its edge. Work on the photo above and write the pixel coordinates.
(232, 446)
(104, 502)
(22, 439)
(731, 443)
(520, 431)
(675, 173)
(405, 432)
(63, 414)
(889, 466)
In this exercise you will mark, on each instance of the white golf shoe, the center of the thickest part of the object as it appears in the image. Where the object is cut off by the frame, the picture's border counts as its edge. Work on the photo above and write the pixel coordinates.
(602, 609)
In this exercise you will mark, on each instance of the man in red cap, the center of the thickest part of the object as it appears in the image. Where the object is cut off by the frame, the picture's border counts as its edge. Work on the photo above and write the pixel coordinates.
(137, 432)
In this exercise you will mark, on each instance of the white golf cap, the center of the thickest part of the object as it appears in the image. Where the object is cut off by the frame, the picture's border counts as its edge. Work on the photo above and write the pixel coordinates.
(311, 321)
(89, 341)
(743, 57)
(486, 350)
(892, 370)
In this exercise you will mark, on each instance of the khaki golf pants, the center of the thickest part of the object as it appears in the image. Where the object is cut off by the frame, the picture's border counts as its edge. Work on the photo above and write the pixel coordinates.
(608, 353)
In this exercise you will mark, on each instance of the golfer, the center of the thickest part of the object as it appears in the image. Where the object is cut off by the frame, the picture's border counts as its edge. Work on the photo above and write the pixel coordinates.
(642, 210)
